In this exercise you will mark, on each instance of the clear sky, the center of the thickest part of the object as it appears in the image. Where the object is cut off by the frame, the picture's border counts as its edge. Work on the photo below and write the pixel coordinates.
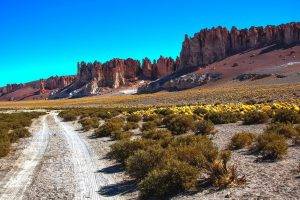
(40, 38)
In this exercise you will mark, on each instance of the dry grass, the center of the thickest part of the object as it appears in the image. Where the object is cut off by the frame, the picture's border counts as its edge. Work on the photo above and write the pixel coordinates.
(206, 94)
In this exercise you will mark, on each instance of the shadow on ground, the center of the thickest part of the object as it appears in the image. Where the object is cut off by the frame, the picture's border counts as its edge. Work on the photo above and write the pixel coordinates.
(121, 188)
(112, 169)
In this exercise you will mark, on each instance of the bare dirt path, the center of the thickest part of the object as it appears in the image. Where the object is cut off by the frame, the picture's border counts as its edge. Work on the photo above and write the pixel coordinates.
(14, 184)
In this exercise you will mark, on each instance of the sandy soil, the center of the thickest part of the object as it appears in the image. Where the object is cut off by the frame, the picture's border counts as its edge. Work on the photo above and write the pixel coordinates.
(265, 180)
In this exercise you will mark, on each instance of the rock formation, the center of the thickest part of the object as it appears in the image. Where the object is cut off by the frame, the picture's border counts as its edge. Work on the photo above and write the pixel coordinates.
(211, 45)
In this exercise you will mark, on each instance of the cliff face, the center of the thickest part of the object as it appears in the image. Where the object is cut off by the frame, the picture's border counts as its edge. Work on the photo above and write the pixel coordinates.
(211, 45)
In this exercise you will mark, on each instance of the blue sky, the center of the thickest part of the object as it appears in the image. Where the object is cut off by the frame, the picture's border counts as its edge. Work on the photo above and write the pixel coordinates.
(40, 38)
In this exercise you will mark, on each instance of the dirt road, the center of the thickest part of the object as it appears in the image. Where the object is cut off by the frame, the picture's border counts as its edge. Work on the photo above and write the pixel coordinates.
(57, 164)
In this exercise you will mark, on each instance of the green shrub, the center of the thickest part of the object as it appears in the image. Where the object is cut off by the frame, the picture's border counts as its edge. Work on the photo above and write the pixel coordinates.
(143, 161)
(134, 118)
(18, 133)
(173, 178)
(286, 116)
(180, 124)
(205, 127)
(255, 117)
(150, 125)
(130, 126)
(122, 149)
(221, 117)
(271, 146)
(153, 117)
(241, 140)
(283, 129)
(89, 123)
(164, 111)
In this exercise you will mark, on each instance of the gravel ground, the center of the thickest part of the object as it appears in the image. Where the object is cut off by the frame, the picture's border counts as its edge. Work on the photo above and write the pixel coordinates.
(119, 186)
(54, 177)
(265, 180)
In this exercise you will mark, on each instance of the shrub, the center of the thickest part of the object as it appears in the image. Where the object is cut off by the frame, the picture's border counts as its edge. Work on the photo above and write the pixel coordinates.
(89, 123)
(125, 148)
(68, 115)
(18, 133)
(164, 111)
(180, 124)
(283, 129)
(255, 117)
(241, 140)
(149, 126)
(205, 127)
(4, 145)
(122, 135)
(134, 118)
(173, 178)
(221, 117)
(157, 134)
(200, 111)
(286, 116)
(271, 146)
(130, 126)
(110, 127)
(143, 161)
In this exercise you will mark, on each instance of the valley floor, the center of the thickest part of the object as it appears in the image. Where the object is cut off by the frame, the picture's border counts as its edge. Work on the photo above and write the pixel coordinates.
(62, 162)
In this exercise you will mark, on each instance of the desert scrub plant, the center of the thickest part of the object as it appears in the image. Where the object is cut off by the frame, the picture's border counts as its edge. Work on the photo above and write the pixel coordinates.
(110, 127)
(69, 115)
(180, 124)
(286, 116)
(157, 134)
(134, 118)
(89, 123)
(220, 175)
(221, 117)
(271, 146)
(122, 135)
(200, 111)
(150, 125)
(15, 134)
(123, 149)
(255, 117)
(143, 161)
(284, 129)
(4, 144)
(204, 127)
(130, 126)
(173, 178)
(241, 140)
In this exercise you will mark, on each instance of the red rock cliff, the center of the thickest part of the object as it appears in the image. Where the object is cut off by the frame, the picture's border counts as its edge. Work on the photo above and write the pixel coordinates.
(211, 45)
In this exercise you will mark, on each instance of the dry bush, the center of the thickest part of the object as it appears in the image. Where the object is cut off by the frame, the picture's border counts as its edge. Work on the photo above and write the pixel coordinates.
(143, 161)
(123, 149)
(69, 115)
(173, 178)
(286, 116)
(271, 146)
(122, 135)
(255, 117)
(205, 127)
(130, 126)
(110, 127)
(158, 134)
(222, 117)
(241, 140)
(89, 123)
(283, 129)
(134, 118)
(4, 144)
(150, 125)
(180, 124)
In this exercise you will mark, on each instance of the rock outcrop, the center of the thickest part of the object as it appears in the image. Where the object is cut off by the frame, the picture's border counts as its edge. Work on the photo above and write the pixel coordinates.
(96, 78)
(40, 86)
(211, 45)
